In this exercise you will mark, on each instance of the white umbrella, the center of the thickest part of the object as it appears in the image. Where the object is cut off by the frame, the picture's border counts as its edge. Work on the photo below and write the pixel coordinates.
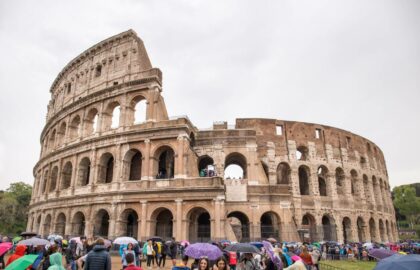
(54, 237)
(125, 240)
(34, 241)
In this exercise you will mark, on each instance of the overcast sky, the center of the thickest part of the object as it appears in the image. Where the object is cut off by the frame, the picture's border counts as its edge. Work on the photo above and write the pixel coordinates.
(349, 64)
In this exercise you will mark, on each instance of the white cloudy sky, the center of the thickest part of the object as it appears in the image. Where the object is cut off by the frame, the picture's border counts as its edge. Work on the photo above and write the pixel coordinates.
(350, 64)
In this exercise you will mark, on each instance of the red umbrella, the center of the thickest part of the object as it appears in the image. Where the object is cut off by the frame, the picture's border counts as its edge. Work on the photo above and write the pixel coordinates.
(4, 247)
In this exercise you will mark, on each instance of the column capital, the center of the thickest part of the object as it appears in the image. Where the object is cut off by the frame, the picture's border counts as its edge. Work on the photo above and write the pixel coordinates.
(147, 141)
(178, 200)
(143, 201)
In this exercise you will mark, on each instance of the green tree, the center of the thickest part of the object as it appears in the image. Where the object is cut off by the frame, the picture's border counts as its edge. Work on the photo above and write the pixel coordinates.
(14, 204)
(408, 204)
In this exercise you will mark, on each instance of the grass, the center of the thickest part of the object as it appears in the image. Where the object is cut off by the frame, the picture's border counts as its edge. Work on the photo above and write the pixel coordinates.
(347, 265)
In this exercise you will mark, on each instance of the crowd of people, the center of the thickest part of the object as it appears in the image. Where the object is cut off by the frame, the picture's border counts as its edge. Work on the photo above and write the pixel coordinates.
(95, 255)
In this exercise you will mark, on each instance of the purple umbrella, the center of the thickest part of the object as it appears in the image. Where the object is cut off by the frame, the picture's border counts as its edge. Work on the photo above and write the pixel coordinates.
(199, 250)
(274, 258)
(380, 254)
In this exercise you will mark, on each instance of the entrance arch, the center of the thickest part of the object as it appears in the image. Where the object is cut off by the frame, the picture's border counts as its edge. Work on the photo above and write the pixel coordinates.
(129, 223)
(309, 232)
(199, 228)
(361, 229)
(162, 223)
(346, 229)
(270, 225)
(79, 223)
(240, 225)
(328, 228)
(372, 229)
(102, 224)
(47, 225)
(60, 226)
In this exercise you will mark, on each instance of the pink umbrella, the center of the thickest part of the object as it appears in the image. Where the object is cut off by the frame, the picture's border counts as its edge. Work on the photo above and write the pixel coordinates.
(185, 243)
(4, 247)
(296, 258)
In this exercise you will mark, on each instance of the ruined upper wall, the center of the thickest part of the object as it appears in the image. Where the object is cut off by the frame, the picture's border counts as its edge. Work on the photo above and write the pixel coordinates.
(113, 61)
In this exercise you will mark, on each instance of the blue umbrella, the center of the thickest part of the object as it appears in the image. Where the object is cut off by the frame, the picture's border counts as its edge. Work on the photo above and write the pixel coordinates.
(400, 262)
(199, 250)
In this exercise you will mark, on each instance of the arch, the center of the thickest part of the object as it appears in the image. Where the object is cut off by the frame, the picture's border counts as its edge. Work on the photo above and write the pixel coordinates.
(355, 183)
(361, 229)
(165, 167)
(101, 225)
(60, 224)
(372, 229)
(139, 106)
(309, 230)
(78, 224)
(130, 224)
(302, 153)
(270, 225)
(328, 228)
(304, 174)
(265, 168)
(322, 180)
(91, 122)
(47, 225)
(235, 166)
(38, 224)
(53, 181)
(111, 115)
(346, 230)
(66, 175)
(132, 165)
(61, 134)
(44, 183)
(74, 128)
(339, 180)
(240, 225)
(388, 232)
(283, 173)
(84, 172)
(162, 223)
(106, 168)
(206, 166)
(382, 231)
(52, 140)
(199, 227)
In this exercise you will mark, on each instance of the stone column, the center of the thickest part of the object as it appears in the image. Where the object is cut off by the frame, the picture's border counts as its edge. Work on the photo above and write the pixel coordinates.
(222, 217)
(178, 221)
(217, 216)
(68, 228)
(179, 164)
(112, 221)
(145, 173)
(143, 221)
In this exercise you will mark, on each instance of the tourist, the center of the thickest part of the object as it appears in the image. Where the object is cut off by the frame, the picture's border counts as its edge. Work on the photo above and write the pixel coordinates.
(195, 264)
(56, 262)
(157, 248)
(19, 252)
(126, 251)
(306, 257)
(130, 259)
(220, 264)
(164, 252)
(232, 260)
(297, 265)
(98, 258)
(248, 263)
(71, 255)
(316, 255)
(203, 264)
(173, 249)
(150, 253)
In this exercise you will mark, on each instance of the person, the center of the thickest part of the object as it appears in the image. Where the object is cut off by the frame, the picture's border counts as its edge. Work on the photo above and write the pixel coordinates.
(195, 264)
(220, 264)
(157, 252)
(164, 252)
(232, 260)
(131, 264)
(98, 258)
(248, 263)
(316, 255)
(40, 252)
(126, 251)
(268, 264)
(150, 253)
(306, 258)
(297, 265)
(56, 261)
(203, 264)
(19, 252)
(2, 264)
(71, 255)
(173, 249)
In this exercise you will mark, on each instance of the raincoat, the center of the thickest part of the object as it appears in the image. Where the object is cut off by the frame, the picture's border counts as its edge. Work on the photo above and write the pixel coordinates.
(56, 262)
(20, 251)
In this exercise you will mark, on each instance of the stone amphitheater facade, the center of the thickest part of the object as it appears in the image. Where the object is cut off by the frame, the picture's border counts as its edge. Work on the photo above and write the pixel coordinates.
(113, 163)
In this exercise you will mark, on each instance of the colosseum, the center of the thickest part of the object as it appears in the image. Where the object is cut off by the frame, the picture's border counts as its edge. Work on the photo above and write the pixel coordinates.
(114, 163)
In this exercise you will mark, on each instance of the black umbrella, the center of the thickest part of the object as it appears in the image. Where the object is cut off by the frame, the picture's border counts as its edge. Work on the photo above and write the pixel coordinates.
(244, 248)
(155, 239)
(28, 234)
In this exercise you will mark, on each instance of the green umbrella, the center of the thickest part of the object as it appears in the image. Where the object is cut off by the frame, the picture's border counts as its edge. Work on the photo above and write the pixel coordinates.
(316, 244)
(22, 262)
(16, 239)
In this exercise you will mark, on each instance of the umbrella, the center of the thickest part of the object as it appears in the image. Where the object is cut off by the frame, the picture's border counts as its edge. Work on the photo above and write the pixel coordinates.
(29, 234)
(368, 245)
(155, 239)
(400, 262)
(296, 258)
(108, 243)
(185, 243)
(16, 239)
(54, 237)
(259, 245)
(272, 240)
(125, 240)
(380, 253)
(34, 241)
(199, 250)
(4, 247)
(244, 248)
(270, 251)
(76, 239)
(22, 263)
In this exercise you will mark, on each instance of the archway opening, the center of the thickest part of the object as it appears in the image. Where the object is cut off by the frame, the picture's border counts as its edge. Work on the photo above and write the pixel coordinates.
(133, 165)
(270, 225)
(322, 180)
(361, 229)
(240, 226)
(54, 176)
(79, 223)
(164, 224)
(106, 168)
(328, 229)
(304, 180)
(206, 167)
(130, 223)
(66, 175)
(346, 229)
(339, 180)
(235, 166)
(60, 227)
(199, 225)
(302, 153)
(372, 229)
(102, 224)
(166, 163)
(84, 172)
(283, 173)
(47, 225)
